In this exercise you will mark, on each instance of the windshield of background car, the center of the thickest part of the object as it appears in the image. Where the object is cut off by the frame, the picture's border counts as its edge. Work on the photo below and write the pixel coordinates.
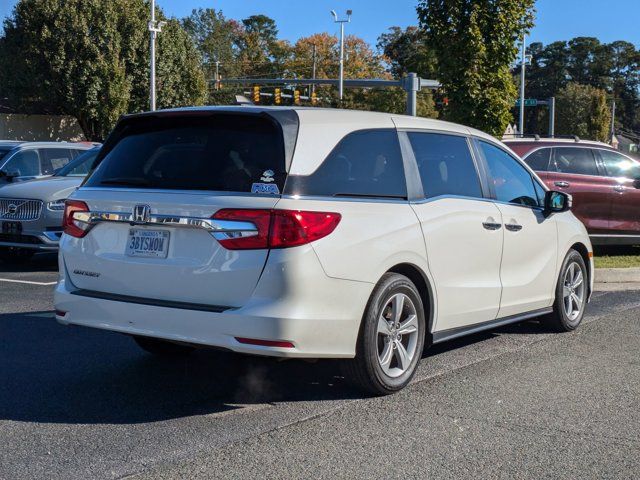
(3, 152)
(80, 166)
(220, 152)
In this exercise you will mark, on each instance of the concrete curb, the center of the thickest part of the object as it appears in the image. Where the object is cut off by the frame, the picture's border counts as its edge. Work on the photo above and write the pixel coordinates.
(617, 275)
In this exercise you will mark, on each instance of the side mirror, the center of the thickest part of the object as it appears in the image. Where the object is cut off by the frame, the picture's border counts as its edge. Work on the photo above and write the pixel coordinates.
(9, 175)
(636, 183)
(557, 202)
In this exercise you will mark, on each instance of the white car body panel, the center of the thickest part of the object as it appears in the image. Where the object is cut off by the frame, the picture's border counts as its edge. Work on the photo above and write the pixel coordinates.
(463, 257)
(529, 260)
(197, 270)
(313, 295)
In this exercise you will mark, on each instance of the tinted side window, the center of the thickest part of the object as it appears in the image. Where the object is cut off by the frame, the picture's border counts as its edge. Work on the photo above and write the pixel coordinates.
(53, 159)
(539, 160)
(365, 163)
(25, 163)
(445, 165)
(617, 165)
(574, 160)
(511, 181)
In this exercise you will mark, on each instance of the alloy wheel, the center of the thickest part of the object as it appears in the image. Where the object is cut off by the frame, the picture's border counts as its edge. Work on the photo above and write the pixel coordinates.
(397, 335)
(573, 291)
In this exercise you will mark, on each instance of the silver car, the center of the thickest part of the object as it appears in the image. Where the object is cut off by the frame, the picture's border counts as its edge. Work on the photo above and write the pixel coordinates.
(21, 161)
(31, 211)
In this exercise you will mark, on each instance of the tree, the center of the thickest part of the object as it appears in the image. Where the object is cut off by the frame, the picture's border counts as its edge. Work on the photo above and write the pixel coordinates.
(475, 44)
(216, 39)
(405, 51)
(362, 62)
(391, 100)
(261, 54)
(583, 111)
(89, 59)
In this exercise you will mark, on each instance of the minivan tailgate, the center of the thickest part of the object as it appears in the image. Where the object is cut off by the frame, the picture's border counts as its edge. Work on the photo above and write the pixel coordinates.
(193, 268)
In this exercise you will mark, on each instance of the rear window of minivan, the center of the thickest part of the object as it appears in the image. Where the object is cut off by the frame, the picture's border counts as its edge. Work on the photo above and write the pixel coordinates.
(220, 152)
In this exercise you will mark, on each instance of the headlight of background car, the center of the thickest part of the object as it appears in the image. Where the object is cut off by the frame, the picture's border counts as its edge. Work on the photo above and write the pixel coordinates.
(56, 205)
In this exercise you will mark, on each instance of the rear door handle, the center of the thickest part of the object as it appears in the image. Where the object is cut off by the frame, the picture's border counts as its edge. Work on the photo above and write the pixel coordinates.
(618, 188)
(513, 227)
(491, 225)
(561, 184)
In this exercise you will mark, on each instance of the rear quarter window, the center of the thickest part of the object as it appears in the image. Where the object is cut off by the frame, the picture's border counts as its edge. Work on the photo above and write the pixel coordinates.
(365, 163)
(539, 159)
(231, 153)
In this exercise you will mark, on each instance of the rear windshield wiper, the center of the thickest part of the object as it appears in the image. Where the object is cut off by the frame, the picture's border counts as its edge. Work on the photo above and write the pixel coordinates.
(369, 195)
(130, 181)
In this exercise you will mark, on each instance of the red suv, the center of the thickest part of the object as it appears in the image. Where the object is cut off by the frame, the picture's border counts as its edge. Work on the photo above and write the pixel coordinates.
(604, 183)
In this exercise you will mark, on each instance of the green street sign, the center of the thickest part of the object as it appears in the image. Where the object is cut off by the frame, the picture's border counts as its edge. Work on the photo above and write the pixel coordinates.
(528, 102)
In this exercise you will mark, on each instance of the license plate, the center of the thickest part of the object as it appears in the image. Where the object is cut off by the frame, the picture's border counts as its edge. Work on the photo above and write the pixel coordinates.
(148, 243)
(12, 228)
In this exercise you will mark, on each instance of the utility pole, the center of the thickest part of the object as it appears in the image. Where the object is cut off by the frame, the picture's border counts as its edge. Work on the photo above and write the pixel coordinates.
(313, 69)
(217, 75)
(613, 119)
(341, 22)
(552, 117)
(522, 73)
(154, 29)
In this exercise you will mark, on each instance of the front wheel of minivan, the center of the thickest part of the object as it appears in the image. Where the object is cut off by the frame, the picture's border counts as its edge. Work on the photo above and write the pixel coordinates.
(391, 337)
(162, 348)
(572, 292)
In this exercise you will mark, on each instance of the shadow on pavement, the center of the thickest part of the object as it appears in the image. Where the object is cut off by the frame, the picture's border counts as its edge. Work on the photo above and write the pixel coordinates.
(41, 262)
(55, 374)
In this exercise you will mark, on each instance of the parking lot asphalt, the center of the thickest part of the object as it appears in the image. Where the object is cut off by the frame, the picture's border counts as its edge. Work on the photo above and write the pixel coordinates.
(517, 402)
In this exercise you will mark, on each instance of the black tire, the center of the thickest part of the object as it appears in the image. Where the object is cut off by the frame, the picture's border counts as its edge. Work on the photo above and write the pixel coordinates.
(15, 256)
(559, 320)
(365, 370)
(163, 348)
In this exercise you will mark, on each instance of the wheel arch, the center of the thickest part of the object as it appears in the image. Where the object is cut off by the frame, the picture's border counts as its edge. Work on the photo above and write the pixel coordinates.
(582, 249)
(420, 280)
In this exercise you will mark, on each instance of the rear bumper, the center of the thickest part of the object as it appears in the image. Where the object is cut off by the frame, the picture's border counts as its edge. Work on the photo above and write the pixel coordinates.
(319, 315)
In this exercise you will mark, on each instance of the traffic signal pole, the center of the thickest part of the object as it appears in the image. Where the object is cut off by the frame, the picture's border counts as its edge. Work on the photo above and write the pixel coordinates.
(411, 84)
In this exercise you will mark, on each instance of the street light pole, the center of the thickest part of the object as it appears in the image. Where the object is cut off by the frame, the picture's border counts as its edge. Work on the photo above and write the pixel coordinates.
(341, 22)
(522, 96)
(154, 29)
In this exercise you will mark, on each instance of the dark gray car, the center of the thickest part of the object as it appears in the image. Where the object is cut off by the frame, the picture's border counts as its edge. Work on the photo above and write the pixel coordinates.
(31, 211)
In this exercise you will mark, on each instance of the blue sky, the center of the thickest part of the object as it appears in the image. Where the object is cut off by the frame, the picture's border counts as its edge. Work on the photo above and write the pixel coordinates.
(556, 19)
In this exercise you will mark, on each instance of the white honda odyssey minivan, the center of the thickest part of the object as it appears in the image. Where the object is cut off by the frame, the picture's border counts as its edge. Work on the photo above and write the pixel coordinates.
(305, 232)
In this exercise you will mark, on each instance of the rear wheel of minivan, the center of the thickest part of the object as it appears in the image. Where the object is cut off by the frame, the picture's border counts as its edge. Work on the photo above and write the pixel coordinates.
(162, 348)
(391, 337)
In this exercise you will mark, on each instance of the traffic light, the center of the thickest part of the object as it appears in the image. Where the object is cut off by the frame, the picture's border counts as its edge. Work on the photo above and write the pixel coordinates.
(256, 94)
(314, 98)
(296, 97)
(276, 96)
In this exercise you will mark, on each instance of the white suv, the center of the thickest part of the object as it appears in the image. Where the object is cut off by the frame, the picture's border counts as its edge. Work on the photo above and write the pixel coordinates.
(296, 232)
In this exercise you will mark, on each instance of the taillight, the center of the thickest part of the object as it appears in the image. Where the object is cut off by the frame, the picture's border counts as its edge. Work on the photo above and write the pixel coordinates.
(71, 226)
(290, 228)
(260, 218)
(278, 228)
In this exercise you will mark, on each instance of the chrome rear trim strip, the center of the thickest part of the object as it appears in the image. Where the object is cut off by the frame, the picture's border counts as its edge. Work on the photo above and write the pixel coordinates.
(220, 229)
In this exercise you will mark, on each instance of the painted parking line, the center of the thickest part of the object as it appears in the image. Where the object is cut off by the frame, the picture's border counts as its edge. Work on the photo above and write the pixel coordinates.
(28, 282)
